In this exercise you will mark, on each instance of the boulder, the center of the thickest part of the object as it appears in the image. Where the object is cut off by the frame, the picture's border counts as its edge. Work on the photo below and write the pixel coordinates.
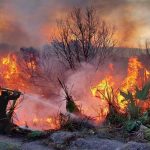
(95, 144)
(135, 146)
(61, 136)
(34, 146)
(9, 146)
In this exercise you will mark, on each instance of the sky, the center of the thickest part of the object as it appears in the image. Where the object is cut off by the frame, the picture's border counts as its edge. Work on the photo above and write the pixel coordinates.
(32, 22)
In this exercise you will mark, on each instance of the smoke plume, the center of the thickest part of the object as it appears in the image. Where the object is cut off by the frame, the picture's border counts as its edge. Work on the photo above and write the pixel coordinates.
(26, 23)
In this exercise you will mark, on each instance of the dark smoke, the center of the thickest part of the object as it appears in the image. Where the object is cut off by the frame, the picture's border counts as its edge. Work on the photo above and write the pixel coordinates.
(28, 20)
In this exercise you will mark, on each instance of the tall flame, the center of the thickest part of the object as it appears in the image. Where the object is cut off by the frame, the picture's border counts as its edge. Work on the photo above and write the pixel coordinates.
(11, 77)
(106, 90)
(129, 83)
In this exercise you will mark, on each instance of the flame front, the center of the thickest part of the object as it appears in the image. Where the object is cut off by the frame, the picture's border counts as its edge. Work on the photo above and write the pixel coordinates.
(11, 76)
(134, 78)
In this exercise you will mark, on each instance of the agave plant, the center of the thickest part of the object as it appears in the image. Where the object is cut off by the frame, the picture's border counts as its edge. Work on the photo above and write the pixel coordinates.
(110, 95)
(140, 94)
(143, 94)
(133, 109)
(71, 106)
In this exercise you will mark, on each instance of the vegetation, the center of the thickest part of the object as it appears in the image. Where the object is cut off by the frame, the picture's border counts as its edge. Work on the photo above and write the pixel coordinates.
(34, 135)
(74, 124)
(135, 116)
(71, 107)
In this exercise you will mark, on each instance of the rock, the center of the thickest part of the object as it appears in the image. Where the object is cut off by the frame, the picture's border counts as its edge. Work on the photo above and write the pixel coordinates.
(95, 144)
(142, 128)
(34, 146)
(140, 133)
(135, 146)
(8, 146)
(61, 136)
(12, 143)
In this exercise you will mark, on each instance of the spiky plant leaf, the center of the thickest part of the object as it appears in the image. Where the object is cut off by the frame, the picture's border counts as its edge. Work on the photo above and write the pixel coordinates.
(133, 109)
(127, 95)
(143, 94)
(71, 107)
(132, 125)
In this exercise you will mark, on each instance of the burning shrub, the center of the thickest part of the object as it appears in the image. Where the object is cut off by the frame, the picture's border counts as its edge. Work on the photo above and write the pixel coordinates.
(133, 109)
(126, 108)
(135, 115)
(71, 107)
(75, 124)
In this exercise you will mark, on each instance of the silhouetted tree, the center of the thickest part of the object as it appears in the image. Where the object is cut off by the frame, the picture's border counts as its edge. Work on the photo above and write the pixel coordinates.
(83, 37)
(38, 69)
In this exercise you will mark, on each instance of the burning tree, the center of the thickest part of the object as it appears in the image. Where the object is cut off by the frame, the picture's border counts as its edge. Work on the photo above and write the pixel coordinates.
(37, 69)
(83, 37)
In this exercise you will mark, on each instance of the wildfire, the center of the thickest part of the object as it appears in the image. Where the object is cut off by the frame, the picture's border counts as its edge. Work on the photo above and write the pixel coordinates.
(101, 87)
(9, 66)
(46, 123)
(11, 77)
(104, 89)
(129, 83)
(131, 80)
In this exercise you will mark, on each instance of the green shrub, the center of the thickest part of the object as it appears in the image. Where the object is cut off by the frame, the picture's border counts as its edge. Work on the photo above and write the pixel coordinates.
(132, 125)
(36, 135)
(133, 109)
(116, 118)
(71, 106)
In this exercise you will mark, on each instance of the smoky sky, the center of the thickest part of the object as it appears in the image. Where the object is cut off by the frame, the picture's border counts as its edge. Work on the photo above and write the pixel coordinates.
(30, 22)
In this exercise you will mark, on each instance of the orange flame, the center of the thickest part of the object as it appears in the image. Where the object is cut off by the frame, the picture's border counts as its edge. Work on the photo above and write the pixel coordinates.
(11, 76)
(129, 83)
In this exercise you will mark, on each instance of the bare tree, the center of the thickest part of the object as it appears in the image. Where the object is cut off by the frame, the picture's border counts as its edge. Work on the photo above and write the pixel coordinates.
(38, 68)
(82, 37)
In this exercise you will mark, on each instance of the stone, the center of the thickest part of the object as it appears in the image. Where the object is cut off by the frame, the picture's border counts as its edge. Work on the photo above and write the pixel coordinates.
(8, 146)
(135, 146)
(35, 146)
(61, 136)
(95, 144)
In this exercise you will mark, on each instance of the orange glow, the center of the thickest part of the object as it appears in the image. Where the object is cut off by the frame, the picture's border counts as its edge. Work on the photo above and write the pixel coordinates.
(104, 89)
(10, 72)
(11, 75)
